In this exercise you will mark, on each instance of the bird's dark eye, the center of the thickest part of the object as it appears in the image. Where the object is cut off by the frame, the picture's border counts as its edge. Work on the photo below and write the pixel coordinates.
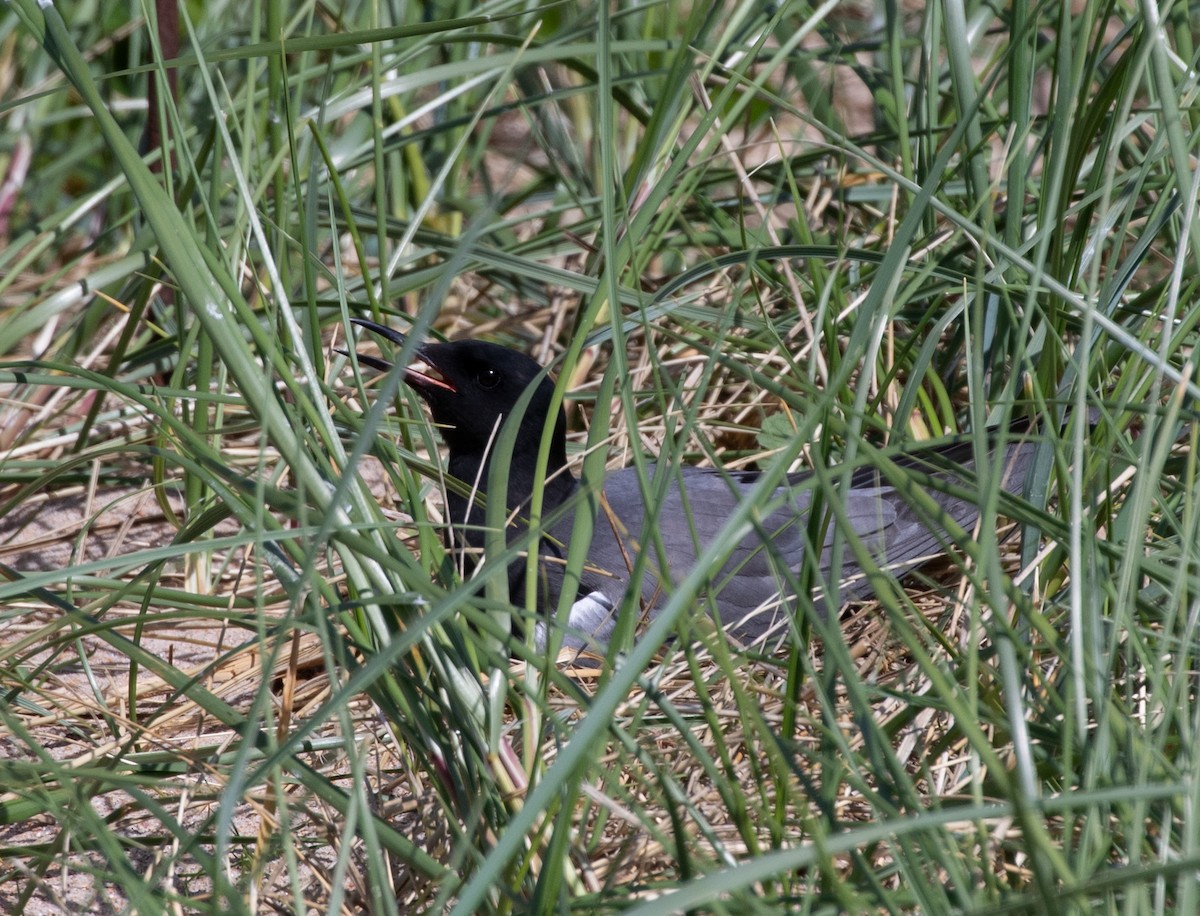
(488, 378)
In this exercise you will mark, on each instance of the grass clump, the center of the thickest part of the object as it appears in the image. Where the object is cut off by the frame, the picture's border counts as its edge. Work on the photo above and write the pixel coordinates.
(241, 673)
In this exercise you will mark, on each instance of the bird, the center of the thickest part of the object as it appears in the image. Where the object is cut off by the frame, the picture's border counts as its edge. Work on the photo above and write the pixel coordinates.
(471, 385)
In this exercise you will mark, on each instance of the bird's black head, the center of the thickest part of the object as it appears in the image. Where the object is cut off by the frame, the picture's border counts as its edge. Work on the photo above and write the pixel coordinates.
(471, 386)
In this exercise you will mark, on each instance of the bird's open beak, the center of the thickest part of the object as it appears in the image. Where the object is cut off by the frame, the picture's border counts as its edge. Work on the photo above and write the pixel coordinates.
(425, 377)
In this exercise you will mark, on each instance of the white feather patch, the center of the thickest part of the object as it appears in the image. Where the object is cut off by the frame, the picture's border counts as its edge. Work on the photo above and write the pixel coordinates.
(591, 615)
(589, 623)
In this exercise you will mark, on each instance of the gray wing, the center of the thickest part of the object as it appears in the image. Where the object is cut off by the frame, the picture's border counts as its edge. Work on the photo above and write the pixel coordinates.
(750, 592)
(753, 592)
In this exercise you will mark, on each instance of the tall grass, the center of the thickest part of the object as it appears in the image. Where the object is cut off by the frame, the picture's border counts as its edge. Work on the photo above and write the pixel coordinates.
(242, 673)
